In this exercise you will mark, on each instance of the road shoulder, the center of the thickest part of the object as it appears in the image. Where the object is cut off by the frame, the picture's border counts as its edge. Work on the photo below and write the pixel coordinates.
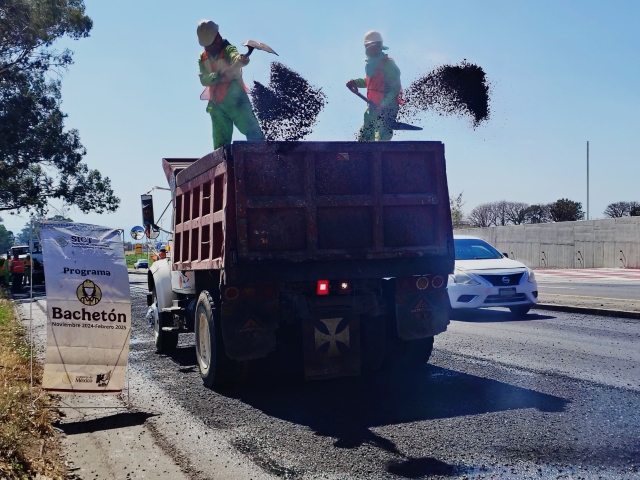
(102, 437)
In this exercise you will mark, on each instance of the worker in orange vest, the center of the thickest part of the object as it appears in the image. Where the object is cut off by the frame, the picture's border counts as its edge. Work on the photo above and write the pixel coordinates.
(27, 270)
(221, 73)
(384, 90)
(16, 268)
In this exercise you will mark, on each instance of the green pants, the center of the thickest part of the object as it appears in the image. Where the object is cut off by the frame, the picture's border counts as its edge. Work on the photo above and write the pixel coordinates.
(376, 127)
(236, 110)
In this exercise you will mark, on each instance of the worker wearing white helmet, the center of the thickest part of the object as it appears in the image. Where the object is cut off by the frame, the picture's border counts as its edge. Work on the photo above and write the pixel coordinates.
(221, 73)
(384, 90)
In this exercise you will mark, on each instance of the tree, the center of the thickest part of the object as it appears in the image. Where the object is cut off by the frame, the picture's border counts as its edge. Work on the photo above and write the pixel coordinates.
(482, 216)
(39, 160)
(516, 212)
(6, 239)
(500, 213)
(537, 214)
(635, 211)
(457, 215)
(29, 232)
(565, 210)
(619, 209)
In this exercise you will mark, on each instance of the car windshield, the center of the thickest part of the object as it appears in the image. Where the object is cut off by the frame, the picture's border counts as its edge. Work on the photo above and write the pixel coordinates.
(474, 249)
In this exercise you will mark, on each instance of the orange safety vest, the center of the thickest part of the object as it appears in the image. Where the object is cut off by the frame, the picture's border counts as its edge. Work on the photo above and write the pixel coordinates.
(218, 92)
(375, 84)
(16, 266)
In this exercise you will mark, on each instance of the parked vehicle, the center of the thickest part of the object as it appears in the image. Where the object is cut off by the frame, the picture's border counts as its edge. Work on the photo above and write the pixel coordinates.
(140, 263)
(484, 277)
(337, 252)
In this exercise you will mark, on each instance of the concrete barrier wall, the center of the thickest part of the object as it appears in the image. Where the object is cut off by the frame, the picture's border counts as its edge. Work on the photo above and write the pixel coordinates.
(611, 243)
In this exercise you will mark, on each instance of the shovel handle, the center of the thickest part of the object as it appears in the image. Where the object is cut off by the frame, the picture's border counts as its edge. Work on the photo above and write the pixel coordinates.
(356, 92)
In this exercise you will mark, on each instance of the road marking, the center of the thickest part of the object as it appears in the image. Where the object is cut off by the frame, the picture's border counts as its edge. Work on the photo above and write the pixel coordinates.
(564, 288)
(599, 298)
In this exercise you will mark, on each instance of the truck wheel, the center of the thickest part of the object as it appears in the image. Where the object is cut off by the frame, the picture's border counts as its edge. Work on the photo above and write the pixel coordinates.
(216, 368)
(373, 342)
(165, 342)
(520, 310)
(418, 352)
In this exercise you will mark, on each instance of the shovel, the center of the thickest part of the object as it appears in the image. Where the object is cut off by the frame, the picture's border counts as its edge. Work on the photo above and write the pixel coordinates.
(252, 45)
(394, 125)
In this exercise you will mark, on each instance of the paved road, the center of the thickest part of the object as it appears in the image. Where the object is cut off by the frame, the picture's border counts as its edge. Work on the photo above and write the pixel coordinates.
(608, 288)
(553, 395)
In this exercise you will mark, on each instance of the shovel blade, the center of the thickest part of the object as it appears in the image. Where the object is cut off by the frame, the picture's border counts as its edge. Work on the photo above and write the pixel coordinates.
(260, 46)
(404, 126)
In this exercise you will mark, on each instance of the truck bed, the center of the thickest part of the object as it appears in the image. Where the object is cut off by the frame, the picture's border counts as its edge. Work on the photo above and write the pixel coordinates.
(279, 211)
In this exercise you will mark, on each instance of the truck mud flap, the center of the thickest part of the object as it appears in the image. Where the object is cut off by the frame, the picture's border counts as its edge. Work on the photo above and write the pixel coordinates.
(331, 343)
(421, 314)
(247, 333)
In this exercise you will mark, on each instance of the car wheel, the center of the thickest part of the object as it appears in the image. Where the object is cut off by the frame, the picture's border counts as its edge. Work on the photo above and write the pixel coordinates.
(165, 342)
(520, 310)
(216, 369)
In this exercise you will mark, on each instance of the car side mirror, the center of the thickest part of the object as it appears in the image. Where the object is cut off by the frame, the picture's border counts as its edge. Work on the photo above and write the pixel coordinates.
(505, 254)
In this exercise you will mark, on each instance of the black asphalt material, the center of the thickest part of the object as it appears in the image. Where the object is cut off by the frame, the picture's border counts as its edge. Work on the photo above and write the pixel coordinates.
(458, 417)
(461, 90)
(288, 107)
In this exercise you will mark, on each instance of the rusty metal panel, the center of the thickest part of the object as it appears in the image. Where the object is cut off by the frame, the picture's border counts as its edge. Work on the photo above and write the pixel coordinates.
(199, 222)
(314, 202)
(352, 200)
(276, 230)
(344, 228)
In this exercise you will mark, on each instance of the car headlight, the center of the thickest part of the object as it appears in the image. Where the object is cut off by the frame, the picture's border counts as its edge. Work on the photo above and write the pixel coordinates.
(462, 278)
(532, 276)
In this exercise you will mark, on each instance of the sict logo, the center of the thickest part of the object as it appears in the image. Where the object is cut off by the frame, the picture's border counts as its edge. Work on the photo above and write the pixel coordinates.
(76, 239)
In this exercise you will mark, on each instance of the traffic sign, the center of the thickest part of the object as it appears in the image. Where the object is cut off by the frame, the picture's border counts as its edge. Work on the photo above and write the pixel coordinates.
(138, 248)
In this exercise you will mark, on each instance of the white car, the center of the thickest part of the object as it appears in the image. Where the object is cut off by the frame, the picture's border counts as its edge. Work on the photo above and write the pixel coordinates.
(141, 264)
(484, 277)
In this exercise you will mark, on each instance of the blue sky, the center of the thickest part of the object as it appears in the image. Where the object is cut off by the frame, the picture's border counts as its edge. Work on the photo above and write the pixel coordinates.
(562, 73)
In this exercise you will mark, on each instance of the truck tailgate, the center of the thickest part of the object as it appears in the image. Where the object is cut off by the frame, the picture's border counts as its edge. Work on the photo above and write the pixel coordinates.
(341, 200)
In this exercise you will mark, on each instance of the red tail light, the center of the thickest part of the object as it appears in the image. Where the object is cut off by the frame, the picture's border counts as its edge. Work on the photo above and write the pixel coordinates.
(323, 287)
(231, 293)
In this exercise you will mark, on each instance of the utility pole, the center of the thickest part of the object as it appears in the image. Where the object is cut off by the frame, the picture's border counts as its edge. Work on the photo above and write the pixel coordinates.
(587, 180)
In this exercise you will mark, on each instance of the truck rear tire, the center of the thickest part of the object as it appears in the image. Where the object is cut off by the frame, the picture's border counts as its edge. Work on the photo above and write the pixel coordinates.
(216, 369)
(165, 342)
(418, 352)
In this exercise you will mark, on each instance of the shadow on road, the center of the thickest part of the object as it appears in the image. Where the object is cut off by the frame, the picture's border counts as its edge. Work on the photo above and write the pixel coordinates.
(346, 409)
(493, 315)
(110, 422)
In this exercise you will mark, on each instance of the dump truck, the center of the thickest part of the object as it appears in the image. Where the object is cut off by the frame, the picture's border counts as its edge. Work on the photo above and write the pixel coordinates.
(338, 252)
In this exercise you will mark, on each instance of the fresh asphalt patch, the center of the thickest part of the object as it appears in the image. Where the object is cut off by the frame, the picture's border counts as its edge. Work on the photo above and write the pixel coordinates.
(473, 415)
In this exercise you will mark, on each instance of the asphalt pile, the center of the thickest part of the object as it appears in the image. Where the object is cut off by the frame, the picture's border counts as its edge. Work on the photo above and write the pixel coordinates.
(288, 107)
(460, 90)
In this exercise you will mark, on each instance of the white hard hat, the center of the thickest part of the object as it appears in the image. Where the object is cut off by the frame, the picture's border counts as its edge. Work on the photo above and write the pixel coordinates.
(207, 31)
(372, 37)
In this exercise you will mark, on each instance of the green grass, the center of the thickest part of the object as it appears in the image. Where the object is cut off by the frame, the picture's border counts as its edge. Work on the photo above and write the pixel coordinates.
(25, 417)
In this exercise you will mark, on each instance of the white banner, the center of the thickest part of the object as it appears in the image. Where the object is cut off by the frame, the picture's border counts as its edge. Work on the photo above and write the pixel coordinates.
(88, 309)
